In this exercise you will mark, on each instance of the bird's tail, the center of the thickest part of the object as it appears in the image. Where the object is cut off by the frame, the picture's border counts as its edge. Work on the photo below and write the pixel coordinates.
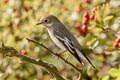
(78, 58)
(87, 59)
(81, 55)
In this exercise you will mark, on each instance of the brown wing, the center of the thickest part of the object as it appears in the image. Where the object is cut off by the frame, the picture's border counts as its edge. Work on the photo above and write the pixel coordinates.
(68, 45)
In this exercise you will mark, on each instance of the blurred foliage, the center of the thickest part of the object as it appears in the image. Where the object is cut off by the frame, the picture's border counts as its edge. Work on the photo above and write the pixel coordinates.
(18, 20)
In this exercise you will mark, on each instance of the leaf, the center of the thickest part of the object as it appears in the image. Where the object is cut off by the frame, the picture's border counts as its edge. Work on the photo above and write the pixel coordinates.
(117, 20)
(114, 72)
(90, 42)
(107, 6)
(99, 23)
(97, 13)
(96, 42)
(108, 18)
(106, 78)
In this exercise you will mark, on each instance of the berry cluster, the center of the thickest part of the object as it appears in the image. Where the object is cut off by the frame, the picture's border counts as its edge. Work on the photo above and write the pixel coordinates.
(84, 28)
(117, 41)
(86, 19)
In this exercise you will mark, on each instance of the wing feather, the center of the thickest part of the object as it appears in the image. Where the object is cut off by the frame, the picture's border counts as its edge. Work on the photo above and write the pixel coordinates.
(68, 45)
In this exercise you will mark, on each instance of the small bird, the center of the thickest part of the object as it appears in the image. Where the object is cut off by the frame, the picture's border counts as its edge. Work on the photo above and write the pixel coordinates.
(63, 38)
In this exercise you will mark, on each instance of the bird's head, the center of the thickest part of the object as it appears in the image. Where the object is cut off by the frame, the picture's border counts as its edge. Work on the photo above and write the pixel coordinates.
(47, 20)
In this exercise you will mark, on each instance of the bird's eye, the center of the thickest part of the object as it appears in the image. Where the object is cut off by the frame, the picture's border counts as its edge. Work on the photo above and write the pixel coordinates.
(46, 20)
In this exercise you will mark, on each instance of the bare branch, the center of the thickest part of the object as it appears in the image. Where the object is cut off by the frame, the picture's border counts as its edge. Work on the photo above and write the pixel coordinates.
(110, 30)
(10, 51)
(51, 52)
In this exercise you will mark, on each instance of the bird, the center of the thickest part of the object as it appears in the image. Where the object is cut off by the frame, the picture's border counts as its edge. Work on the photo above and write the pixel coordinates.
(63, 38)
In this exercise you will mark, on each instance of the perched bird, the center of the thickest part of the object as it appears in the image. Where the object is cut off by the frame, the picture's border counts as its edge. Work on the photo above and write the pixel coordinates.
(63, 38)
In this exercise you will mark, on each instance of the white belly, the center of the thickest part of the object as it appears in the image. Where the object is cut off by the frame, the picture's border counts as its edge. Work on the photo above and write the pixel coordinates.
(55, 40)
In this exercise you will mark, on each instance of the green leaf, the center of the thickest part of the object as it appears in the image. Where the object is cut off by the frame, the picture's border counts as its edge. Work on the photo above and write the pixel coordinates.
(117, 20)
(106, 78)
(108, 18)
(95, 44)
(107, 7)
(114, 72)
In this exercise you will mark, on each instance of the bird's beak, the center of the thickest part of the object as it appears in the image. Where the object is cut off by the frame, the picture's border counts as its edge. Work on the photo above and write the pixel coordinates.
(39, 23)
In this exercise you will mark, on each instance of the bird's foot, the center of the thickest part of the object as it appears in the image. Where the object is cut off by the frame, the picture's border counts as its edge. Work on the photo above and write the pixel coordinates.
(61, 52)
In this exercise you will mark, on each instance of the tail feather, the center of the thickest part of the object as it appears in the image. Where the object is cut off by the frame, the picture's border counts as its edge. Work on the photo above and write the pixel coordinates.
(90, 62)
(87, 59)
(78, 58)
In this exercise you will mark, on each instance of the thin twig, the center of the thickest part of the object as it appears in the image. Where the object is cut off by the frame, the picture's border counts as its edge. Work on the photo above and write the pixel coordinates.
(51, 52)
(10, 51)
(110, 30)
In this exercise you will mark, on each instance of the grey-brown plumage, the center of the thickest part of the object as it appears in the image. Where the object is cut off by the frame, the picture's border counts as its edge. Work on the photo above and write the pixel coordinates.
(63, 38)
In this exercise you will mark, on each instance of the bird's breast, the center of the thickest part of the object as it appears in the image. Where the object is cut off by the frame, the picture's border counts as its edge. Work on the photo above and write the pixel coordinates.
(55, 40)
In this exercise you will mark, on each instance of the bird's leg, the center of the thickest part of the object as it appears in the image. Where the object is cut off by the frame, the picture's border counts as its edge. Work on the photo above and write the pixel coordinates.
(61, 52)
(67, 57)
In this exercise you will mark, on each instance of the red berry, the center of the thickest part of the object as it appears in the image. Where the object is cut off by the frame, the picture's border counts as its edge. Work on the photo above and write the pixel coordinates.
(77, 24)
(89, 1)
(86, 15)
(77, 10)
(84, 34)
(116, 45)
(85, 18)
(95, 18)
(31, 7)
(117, 40)
(64, 7)
(5, 1)
(78, 27)
(15, 26)
(118, 33)
(94, 10)
(84, 28)
(85, 21)
(23, 52)
(92, 17)
(25, 8)
(9, 24)
(84, 0)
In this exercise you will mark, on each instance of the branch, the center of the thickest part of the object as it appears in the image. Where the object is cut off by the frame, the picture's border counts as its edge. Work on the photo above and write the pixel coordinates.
(109, 30)
(10, 51)
(51, 52)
